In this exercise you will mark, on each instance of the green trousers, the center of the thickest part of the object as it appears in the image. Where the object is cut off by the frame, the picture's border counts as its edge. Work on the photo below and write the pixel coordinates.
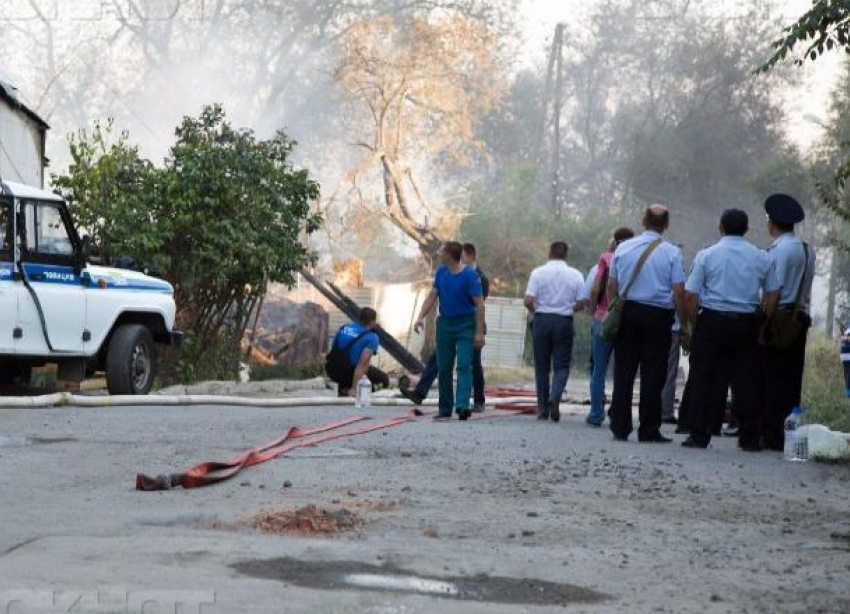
(455, 340)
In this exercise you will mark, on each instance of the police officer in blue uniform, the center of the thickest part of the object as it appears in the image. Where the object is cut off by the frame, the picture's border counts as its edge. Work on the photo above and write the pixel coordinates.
(646, 327)
(728, 283)
(782, 369)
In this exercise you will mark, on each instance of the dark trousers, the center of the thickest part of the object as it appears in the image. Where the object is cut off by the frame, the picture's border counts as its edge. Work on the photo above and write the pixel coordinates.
(378, 378)
(553, 352)
(426, 380)
(724, 351)
(643, 342)
(781, 386)
(717, 398)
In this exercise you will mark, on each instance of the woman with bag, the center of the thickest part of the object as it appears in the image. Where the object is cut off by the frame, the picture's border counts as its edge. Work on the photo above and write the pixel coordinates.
(600, 348)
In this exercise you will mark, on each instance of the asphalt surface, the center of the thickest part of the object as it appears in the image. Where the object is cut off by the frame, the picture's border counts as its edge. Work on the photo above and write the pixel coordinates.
(497, 510)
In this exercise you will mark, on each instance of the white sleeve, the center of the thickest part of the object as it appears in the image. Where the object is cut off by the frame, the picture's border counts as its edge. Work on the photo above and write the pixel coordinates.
(532, 285)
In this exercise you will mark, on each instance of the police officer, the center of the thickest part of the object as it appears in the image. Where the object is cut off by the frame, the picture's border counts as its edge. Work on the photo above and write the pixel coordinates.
(646, 327)
(782, 369)
(724, 292)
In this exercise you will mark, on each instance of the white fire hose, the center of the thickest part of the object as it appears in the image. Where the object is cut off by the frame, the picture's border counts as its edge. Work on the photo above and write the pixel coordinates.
(67, 399)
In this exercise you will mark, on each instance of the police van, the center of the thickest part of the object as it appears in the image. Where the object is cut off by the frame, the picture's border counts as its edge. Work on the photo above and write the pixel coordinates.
(57, 308)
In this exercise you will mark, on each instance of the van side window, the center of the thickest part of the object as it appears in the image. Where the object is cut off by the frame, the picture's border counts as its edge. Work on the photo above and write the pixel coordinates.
(46, 233)
(5, 231)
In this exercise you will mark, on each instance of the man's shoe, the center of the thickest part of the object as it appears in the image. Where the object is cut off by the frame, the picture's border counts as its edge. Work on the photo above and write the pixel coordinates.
(463, 414)
(620, 437)
(411, 395)
(543, 417)
(654, 438)
(670, 420)
(731, 430)
(594, 423)
(683, 429)
(478, 408)
(691, 443)
(442, 418)
(749, 447)
(555, 411)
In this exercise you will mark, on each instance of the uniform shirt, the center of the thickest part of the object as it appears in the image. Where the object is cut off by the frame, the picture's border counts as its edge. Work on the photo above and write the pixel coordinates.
(729, 276)
(555, 287)
(347, 333)
(588, 283)
(663, 269)
(457, 291)
(790, 262)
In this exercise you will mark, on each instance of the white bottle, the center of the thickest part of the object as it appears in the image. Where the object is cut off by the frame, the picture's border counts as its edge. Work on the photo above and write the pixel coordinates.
(364, 393)
(796, 444)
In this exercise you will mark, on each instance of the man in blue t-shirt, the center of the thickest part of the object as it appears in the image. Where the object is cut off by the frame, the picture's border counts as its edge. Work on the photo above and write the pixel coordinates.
(359, 343)
(460, 327)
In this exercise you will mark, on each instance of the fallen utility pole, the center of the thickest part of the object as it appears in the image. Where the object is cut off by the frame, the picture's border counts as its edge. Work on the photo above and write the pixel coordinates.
(351, 309)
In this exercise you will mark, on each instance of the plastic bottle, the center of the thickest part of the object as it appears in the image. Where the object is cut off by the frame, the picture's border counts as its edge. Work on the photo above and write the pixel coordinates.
(364, 393)
(796, 445)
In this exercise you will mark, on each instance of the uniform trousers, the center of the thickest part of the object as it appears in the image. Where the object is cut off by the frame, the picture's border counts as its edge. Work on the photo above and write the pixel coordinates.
(643, 342)
(724, 350)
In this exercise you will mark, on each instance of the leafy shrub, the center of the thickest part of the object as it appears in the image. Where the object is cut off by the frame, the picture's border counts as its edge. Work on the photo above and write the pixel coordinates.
(824, 395)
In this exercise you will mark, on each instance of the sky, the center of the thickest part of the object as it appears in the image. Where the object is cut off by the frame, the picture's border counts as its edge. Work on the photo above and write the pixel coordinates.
(806, 103)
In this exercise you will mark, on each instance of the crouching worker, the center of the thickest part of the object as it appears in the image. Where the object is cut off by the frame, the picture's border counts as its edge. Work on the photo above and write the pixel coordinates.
(351, 354)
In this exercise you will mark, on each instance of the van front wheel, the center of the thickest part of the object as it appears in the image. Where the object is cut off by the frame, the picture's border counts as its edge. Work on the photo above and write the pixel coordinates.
(131, 361)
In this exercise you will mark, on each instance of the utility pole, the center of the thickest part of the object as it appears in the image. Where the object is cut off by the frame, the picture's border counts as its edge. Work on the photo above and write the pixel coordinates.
(554, 72)
(558, 49)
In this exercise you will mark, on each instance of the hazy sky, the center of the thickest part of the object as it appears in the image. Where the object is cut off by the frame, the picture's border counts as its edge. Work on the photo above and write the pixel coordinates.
(809, 99)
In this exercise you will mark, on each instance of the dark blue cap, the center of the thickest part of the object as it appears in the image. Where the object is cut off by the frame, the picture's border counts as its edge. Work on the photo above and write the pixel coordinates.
(784, 209)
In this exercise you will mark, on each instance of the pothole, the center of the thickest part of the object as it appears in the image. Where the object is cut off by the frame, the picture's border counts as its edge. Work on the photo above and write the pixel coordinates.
(341, 575)
(42, 441)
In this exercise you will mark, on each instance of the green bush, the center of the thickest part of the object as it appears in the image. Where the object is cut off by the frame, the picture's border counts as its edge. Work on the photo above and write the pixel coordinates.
(824, 396)
(216, 360)
(263, 373)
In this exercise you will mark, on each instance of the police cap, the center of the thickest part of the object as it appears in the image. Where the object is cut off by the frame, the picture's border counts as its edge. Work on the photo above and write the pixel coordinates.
(784, 209)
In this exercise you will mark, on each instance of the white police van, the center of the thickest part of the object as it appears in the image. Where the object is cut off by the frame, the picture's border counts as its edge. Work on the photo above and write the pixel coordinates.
(57, 308)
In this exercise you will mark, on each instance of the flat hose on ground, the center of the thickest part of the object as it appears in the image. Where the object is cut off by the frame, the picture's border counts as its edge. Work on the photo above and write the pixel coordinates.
(63, 399)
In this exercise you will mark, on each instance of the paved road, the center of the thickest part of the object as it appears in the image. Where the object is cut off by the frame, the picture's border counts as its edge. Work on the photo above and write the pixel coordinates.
(647, 528)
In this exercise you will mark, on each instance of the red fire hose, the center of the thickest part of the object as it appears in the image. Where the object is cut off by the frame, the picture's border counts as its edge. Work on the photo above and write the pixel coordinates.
(211, 472)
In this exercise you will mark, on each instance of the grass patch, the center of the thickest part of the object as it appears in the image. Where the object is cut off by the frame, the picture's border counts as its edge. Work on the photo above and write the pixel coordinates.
(497, 376)
(264, 373)
(824, 396)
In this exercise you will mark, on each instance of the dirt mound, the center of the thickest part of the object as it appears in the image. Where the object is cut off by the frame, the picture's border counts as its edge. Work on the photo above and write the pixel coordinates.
(308, 520)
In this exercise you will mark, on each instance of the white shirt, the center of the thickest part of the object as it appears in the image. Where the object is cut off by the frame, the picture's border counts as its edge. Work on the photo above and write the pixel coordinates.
(555, 288)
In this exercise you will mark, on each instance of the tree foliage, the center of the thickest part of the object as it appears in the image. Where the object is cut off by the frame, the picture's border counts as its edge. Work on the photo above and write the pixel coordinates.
(416, 91)
(221, 219)
(661, 106)
(824, 27)
(514, 229)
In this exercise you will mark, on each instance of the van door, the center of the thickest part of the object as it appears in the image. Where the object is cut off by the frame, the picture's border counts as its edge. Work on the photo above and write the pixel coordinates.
(48, 257)
(8, 295)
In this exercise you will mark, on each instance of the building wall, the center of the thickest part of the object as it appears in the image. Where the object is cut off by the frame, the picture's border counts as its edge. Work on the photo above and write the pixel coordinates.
(21, 156)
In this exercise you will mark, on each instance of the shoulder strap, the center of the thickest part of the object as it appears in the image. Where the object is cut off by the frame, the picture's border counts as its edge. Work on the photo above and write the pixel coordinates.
(641, 261)
(799, 298)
